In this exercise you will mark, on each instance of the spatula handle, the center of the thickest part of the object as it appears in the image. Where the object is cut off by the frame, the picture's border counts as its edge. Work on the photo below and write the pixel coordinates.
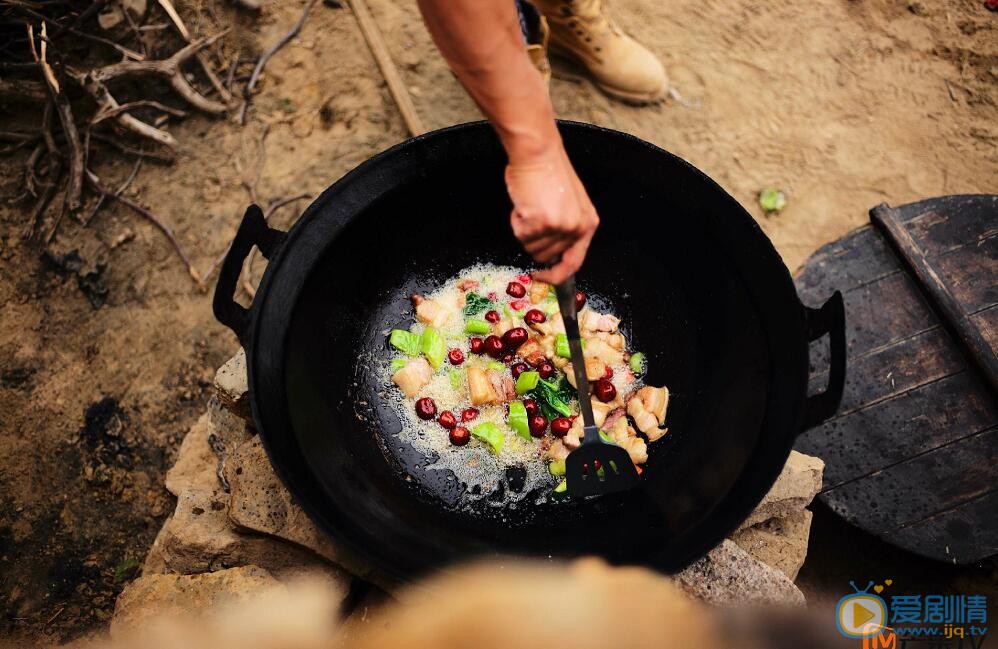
(566, 302)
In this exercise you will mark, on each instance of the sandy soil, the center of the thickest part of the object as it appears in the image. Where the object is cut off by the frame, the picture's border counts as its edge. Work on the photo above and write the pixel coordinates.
(842, 103)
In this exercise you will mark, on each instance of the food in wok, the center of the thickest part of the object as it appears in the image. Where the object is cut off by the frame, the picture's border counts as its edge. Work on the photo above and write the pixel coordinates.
(484, 378)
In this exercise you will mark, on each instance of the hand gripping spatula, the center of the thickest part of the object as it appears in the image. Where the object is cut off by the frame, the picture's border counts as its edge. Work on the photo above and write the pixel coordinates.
(596, 467)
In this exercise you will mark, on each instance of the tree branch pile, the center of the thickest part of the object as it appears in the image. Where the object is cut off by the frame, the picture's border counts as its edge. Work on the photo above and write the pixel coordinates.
(62, 55)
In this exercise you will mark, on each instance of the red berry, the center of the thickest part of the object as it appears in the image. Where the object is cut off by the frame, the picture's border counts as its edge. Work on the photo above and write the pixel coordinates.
(546, 370)
(515, 289)
(515, 337)
(507, 358)
(580, 300)
(459, 436)
(492, 316)
(530, 406)
(518, 369)
(447, 419)
(455, 356)
(604, 390)
(534, 316)
(524, 278)
(518, 305)
(597, 464)
(493, 297)
(560, 426)
(426, 408)
(494, 346)
(537, 424)
(468, 414)
(608, 372)
(476, 346)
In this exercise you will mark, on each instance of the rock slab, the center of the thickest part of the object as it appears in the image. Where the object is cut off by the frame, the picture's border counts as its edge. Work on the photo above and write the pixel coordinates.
(730, 576)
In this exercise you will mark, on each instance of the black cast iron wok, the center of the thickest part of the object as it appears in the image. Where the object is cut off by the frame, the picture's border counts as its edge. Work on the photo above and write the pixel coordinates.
(705, 294)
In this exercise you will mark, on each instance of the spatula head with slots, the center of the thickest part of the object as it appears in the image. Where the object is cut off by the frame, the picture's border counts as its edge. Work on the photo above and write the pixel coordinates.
(596, 467)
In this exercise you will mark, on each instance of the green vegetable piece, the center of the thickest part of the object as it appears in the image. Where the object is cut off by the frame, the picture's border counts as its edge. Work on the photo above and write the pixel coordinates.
(398, 364)
(548, 394)
(454, 376)
(561, 346)
(491, 435)
(606, 438)
(495, 365)
(475, 303)
(550, 307)
(557, 468)
(433, 346)
(561, 488)
(638, 363)
(517, 419)
(474, 326)
(772, 199)
(527, 381)
(405, 341)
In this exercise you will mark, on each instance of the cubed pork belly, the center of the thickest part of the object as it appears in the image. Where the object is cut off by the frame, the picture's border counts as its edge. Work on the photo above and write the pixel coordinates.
(532, 352)
(480, 389)
(591, 322)
(595, 369)
(596, 348)
(432, 313)
(413, 376)
(466, 285)
(502, 384)
(538, 291)
(647, 407)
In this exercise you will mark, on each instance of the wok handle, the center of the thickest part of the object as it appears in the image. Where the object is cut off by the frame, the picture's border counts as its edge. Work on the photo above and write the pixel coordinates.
(253, 231)
(829, 319)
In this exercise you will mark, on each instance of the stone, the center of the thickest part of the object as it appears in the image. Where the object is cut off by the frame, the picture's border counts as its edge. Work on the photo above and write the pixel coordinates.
(794, 489)
(729, 576)
(232, 386)
(187, 596)
(204, 448)
(199, 537)
(260, 503)
(778, 542)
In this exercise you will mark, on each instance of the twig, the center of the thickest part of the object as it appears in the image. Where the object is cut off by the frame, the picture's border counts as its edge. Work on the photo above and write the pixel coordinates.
(265, 57)
(375, 41)
(44, 199)
(65, 112)
(103, 114)
(84, 16)
(134, 27)
(186, 35)
(30, 179)
(141, 153)
(94, 183)
(132, 54)
(118, 192)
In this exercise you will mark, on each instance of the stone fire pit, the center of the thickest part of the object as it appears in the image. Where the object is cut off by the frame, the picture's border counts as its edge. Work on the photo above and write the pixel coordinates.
(236, 531)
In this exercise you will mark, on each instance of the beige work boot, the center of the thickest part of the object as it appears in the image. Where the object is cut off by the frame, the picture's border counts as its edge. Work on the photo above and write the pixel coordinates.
(538, 51)
(583, 31)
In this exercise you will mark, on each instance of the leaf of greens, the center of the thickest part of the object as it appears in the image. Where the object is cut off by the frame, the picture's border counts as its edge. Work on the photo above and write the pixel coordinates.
(475, 303)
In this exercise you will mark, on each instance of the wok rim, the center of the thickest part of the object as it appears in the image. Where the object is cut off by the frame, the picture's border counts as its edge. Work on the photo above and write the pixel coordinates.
(270, 321)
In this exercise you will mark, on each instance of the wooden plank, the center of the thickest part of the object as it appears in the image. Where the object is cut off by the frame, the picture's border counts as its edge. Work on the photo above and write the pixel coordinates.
(987, 322)
(924, 486)
(895, 369)
(860, 257)
(964, 534)
(891, 431)
(967, 334)
(971, 273)
(941, 229)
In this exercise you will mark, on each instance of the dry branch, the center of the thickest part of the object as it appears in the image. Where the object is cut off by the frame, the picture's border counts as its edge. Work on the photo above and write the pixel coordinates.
(95, 184)
(266, 56)
(223, 92)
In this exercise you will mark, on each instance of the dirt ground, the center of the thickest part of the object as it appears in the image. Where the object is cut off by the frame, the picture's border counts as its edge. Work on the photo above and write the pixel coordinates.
(841, 103)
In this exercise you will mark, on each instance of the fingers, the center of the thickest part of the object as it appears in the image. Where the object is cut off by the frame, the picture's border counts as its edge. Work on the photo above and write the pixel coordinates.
(571, 261)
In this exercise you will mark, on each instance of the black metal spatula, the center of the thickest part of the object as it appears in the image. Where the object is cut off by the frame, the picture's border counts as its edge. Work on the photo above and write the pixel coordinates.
(596, 467)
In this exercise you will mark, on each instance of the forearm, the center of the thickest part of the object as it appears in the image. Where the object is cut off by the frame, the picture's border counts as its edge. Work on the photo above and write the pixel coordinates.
(482, 42)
